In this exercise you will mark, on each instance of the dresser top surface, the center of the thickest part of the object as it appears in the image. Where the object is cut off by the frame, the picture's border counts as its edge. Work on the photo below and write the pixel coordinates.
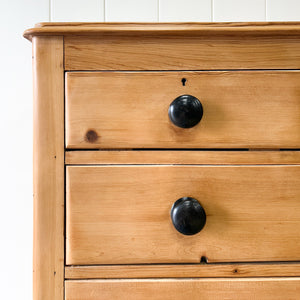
(162, 29)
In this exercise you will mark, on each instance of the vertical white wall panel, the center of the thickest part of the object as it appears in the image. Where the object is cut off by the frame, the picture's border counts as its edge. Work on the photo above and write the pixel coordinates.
(239, 10)
(77, 10)
(283, 10)
(16, 148)
(185, 11)
(131, 10)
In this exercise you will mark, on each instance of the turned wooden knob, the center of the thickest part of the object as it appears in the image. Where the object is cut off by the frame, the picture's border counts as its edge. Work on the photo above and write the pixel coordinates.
(185, 111)
(188, 216)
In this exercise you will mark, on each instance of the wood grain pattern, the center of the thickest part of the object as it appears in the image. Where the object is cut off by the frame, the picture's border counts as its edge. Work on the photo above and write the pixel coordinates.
(183, 270)
(160, 29)
(130, 109)
(181, 53)
(182, 157)
(182, 289)
(121, 214)
(48, 163)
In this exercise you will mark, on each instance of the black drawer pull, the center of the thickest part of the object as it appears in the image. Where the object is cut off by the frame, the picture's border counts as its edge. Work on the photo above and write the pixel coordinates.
(185, 111)
(188, 216)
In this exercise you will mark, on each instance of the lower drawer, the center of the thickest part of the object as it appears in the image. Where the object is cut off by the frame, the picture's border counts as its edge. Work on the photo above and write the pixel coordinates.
(182, 289)
(121, 214)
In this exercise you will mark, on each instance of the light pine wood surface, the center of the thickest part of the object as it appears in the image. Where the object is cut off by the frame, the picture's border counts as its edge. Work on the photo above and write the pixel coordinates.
(130, 109)
(182, 289)
(98, 29)
(210, 157)
(176, 46)
(120, 242)
(48, 169)
(121, 214)
(184, 270)
(206, 52)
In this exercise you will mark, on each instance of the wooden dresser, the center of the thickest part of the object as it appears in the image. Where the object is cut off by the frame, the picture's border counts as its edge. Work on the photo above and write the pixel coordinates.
(166, 161)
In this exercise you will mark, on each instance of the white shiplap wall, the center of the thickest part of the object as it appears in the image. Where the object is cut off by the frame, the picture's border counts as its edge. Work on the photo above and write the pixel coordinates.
(16, 97)
(174, 10)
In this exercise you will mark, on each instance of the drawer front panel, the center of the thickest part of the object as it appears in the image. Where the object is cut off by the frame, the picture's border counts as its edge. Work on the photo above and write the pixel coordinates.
(201, 52)
(180, 289)
(244, 109)
(121, 214)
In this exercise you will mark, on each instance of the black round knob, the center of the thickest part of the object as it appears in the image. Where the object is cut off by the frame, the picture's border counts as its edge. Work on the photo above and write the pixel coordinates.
(185, 111)
(188, 216)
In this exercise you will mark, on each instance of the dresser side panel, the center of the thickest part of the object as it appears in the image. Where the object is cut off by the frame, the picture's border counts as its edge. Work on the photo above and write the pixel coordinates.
(48, 164)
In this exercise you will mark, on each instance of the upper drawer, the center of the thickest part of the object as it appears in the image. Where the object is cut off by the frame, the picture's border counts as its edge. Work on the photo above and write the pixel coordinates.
(241, 109)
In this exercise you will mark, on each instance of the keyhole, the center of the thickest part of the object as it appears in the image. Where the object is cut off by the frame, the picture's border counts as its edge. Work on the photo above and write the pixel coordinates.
(183, 80)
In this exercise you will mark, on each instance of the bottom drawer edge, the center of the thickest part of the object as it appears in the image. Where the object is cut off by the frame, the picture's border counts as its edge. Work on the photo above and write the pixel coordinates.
(266, 288)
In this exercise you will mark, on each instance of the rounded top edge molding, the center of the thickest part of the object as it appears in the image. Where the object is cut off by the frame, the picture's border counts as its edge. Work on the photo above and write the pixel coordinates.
(161, 29)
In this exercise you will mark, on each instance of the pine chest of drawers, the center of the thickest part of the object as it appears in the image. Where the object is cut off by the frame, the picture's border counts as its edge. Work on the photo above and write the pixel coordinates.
(166, 161)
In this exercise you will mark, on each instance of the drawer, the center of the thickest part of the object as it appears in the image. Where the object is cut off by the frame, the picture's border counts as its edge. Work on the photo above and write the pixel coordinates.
(121, 214)
(188, 47)
(182, 289)
(241, 109)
